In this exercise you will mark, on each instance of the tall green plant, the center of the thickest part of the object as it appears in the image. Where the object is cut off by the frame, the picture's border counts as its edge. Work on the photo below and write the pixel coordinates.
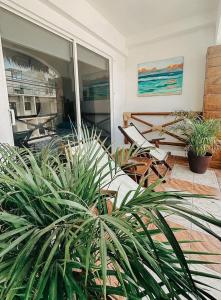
(59, 241)
(202, 135)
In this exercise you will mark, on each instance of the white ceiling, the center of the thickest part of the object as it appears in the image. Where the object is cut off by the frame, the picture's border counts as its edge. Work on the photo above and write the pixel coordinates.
(131, 17)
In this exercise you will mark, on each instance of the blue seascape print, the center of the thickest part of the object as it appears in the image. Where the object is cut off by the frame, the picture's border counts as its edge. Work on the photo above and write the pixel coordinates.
(163, 77)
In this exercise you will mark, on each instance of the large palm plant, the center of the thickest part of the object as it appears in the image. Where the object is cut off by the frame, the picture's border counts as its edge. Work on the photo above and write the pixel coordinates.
(60, 241)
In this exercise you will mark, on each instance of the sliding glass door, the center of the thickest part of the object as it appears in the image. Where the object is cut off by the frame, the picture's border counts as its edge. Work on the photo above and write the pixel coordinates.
(41, 83)
(40, 93)
(94, 87)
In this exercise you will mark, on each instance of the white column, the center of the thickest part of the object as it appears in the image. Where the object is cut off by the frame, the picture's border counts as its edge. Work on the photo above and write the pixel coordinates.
(6, 134)
(218, 25)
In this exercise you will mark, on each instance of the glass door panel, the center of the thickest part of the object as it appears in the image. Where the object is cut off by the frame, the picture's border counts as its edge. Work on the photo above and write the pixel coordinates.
(41, 94)
(40, 82)
(94, 87)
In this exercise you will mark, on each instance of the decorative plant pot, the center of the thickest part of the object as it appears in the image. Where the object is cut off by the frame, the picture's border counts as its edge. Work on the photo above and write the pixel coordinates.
(199, 164)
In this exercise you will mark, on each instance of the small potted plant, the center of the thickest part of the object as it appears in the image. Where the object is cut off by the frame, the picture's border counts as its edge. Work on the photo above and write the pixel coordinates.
(202, 139)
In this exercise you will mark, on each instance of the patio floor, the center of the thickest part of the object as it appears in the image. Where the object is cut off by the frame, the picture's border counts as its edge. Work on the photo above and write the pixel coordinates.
(191, 232)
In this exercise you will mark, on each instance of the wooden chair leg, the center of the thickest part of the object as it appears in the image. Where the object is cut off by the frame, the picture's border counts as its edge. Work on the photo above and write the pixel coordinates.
(157, 172)
(167, 165)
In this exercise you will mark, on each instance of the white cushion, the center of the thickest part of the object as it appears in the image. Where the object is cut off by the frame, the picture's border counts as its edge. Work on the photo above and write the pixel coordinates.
(115, 179)
(142, 143)
(138, 138)
(158, 153)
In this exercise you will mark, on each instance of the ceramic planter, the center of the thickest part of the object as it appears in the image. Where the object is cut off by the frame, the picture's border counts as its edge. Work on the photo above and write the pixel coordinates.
(199, 164)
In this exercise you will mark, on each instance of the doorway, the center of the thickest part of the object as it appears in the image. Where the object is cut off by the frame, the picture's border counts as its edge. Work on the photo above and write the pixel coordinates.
(41, 83)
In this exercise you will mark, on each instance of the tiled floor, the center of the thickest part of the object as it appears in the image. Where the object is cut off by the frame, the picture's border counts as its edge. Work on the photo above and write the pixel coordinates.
(193, 183)
(181, 179)
(183, 172)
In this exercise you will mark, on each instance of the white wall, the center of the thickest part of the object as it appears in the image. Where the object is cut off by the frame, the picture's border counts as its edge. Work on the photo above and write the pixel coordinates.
(218, 24)
(193, 46)
(90, 19)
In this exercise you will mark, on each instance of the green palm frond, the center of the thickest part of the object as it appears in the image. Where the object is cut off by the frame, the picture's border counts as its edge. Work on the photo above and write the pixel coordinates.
(201, 135)
(60, 241)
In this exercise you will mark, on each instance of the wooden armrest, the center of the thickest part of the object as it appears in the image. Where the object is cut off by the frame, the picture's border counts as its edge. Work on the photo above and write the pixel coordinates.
(156, 140)
(108, 192)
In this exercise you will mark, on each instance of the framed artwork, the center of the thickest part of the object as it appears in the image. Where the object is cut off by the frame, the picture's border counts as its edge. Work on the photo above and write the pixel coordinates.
(161, 78)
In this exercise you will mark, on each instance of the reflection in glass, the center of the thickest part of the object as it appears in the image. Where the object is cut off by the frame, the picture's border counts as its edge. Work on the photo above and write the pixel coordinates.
(94, 86)
(41, 94)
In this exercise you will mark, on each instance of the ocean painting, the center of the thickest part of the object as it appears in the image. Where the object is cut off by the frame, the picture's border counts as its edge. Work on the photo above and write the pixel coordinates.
(162, 77)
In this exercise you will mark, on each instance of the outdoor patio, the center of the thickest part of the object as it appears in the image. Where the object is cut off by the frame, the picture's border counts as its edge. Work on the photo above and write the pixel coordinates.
(110, 150)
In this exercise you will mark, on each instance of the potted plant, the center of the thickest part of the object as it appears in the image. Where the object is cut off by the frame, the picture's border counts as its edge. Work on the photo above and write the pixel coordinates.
(202, 139)
(59, 240)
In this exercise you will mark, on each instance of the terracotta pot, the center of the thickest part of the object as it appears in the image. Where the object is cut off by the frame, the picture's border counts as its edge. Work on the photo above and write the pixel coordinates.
(199, 164)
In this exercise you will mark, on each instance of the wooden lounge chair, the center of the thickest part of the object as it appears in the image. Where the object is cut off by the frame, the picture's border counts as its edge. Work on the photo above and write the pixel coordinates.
(114, 179)
(150, 148)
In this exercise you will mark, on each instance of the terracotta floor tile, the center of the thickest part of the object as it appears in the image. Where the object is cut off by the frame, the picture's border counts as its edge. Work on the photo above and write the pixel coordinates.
(207, 242)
